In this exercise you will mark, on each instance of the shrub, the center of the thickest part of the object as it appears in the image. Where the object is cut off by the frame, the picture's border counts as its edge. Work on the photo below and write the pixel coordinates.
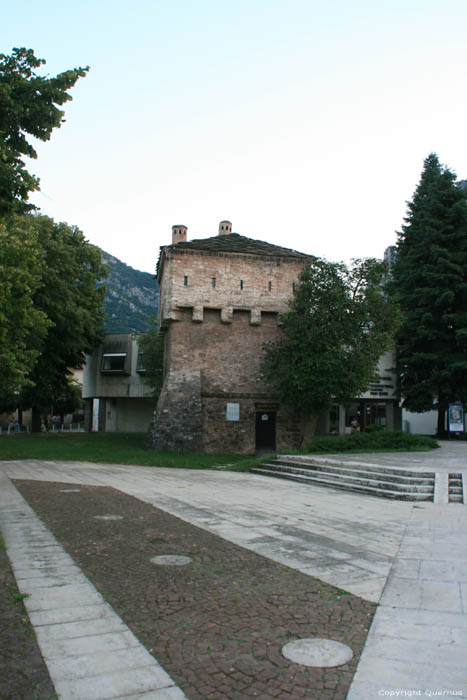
(375, 440)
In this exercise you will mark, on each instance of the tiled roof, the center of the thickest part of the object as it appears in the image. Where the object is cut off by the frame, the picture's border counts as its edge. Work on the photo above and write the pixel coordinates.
(234, 243)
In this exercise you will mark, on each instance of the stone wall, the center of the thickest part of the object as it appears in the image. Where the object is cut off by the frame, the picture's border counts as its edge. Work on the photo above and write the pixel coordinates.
(218, 310)
(223, 435)
(227, 355)
(176, 423)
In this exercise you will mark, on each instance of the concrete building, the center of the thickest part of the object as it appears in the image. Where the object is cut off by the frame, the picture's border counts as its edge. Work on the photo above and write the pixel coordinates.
(116, 397)
(220, 299)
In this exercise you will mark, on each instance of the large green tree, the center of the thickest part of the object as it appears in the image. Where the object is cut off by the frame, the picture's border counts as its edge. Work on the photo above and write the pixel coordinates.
(73, 304)
(29, 106)
(338, 324)
(23, 326)
(429, 281)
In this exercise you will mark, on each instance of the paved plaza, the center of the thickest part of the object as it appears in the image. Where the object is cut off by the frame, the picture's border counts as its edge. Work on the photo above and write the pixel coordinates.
(411, 558)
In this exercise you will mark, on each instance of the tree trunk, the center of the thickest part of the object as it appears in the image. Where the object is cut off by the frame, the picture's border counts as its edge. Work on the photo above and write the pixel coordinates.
(36, 421)
(309, 424)
(441, 428)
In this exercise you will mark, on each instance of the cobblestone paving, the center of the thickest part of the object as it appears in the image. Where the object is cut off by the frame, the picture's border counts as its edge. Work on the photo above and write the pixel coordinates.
(216, 625)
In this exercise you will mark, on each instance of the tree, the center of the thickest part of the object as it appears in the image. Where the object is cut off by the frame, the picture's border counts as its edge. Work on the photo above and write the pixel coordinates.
(151, 345)
(28, 106)
(71, 300)
(69, 401)
(23, 326)
(338, 324)
(429, 282)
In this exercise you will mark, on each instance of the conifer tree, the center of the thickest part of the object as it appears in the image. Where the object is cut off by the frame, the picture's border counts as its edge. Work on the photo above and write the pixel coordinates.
(430, 284)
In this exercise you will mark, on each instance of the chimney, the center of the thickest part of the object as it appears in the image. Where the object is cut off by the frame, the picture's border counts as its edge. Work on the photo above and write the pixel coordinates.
(225, 227)
(179, 234)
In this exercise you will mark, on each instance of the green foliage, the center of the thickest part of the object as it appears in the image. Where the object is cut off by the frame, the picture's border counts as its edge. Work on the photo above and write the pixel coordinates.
(429, 282)
(23, 326)
(69, 400)
(373, 441)
(152, 347)
(28, 106)
(68, 298)
(338, 325)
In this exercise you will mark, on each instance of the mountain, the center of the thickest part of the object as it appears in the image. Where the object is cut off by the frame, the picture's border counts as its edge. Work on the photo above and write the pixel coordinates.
(131, 299)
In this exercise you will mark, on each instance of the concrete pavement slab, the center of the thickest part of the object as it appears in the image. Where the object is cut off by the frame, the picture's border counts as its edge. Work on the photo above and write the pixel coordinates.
(415, 554)
(67, 640)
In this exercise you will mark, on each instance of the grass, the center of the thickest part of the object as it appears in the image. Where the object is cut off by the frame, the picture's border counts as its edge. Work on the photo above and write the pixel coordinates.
(127, 448)
(113, 448)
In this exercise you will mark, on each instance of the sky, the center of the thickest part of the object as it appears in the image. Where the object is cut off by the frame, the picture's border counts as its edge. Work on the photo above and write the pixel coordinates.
(303, 122)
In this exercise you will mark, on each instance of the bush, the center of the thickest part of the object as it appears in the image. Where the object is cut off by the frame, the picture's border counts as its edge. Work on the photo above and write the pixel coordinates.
(373, 428)
(372, 441)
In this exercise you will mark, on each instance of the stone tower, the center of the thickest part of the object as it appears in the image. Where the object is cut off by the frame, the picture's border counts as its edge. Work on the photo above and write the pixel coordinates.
(220, 298)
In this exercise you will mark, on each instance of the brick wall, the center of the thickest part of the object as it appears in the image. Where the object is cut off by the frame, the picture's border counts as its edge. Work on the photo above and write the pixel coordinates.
(241, 282)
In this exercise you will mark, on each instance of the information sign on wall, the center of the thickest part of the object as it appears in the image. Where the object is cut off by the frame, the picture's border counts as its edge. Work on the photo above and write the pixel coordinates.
(233, 411)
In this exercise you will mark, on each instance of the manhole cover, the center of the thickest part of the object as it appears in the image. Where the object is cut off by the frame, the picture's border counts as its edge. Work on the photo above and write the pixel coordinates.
(317, 652)
(171, 560)
(108, 517)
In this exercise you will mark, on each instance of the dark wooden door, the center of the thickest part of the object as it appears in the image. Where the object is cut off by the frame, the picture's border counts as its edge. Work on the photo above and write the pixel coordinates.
(266, 430)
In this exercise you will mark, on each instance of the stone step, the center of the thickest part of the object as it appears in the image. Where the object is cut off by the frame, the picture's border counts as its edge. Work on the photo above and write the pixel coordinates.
(395, 477)
(456, 490)
(316, 463)
(315, 480)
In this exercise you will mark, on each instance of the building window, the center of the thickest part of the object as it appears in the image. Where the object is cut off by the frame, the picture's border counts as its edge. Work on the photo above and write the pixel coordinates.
(241, 284)
(270, 286)
(185, 281)
(140, 368)
(114, 362)
(213, 282)
(293, 287)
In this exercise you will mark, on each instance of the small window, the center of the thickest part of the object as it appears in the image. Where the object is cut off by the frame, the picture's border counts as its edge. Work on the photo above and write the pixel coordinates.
(213, 282)
(140, 368)
(293, 287)
(114, 362)
(241, 284)
(185, 281)
(270, 286)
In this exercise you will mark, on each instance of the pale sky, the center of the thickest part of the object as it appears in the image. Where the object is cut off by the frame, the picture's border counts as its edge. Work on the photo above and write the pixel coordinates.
(304, 123)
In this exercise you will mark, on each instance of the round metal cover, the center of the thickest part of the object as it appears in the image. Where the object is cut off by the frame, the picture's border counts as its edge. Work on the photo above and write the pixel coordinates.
(317, 652)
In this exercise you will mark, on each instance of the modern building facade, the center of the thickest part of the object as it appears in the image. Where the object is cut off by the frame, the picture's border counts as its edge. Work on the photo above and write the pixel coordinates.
(116, 396)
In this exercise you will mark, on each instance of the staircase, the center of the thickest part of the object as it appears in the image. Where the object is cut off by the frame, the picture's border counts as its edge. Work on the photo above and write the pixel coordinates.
(455, 488)
(387, 482)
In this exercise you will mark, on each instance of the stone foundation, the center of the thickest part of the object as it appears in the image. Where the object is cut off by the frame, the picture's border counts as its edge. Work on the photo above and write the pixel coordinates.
(177, 424)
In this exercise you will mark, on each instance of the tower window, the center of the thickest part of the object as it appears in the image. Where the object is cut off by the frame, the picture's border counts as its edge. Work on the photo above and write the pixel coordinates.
(185, 281)
(270, 286)
(213, 282)
(241, 284)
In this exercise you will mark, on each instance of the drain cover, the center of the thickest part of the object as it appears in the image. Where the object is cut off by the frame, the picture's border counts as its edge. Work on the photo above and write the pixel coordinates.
(317, 652)
(171, 560)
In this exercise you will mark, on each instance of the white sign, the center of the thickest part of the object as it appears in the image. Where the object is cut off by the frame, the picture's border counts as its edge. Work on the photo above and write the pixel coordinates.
(233, 411)
(456, 418)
